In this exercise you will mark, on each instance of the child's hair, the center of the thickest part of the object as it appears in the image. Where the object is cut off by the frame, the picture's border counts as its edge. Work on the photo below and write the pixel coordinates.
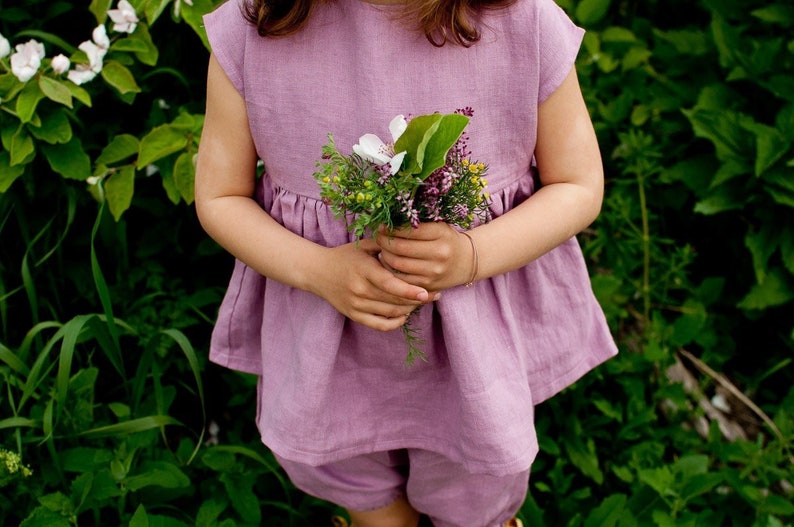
(441, 20)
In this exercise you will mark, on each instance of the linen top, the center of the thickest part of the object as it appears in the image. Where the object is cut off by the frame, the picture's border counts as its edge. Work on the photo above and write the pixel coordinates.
(330, 388)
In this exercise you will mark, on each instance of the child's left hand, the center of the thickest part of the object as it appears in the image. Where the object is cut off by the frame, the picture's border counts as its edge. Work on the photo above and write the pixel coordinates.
(433, 256)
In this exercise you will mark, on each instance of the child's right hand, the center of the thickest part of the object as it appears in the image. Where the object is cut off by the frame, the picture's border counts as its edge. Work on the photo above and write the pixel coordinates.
(358, 286)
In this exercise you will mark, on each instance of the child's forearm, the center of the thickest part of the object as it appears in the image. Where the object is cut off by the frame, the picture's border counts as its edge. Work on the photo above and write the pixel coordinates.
(241, 227)
(550, 217)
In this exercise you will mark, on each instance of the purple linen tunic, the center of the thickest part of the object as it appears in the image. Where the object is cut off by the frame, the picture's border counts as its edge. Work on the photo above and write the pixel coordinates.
(329, 388)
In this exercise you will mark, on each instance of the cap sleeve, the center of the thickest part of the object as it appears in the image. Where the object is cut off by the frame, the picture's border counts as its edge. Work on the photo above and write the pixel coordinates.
(559, 45)
(227, 30)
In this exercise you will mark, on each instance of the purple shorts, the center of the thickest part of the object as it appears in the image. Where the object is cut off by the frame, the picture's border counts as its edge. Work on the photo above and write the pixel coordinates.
(432, 484)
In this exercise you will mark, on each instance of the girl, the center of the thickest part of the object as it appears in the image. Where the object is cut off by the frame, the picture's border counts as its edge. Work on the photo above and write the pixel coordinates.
(316, 315)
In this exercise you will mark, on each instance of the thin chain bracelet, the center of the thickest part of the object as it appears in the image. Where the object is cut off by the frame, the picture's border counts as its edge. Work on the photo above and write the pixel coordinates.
(475, 260)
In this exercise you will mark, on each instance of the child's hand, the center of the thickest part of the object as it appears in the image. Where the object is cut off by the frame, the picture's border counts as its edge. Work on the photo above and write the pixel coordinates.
(359, 287)
(433, 256)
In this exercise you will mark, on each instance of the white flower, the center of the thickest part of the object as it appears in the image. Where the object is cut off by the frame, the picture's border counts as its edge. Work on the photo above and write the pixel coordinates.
(27, 59)
(371, 148)
(60, 64)
(100, 37)
(5, 46)
(124, 18)
(83, 73)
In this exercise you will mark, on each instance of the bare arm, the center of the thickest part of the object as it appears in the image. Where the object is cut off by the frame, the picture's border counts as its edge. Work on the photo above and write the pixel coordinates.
(349, 277)
(569, 162)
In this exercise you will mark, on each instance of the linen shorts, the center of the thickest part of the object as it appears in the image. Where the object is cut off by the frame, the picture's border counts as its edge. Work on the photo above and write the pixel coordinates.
(435, 486)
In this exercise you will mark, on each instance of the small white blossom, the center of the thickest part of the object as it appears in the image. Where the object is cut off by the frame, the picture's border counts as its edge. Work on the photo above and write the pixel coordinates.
(60, 64)
(100, 37)
(124, 18)
(83, 73)
(5, 46)
(371, 148)
(27, 59)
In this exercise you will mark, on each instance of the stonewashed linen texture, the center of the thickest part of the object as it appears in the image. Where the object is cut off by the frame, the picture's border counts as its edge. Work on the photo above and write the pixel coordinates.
(330, 388)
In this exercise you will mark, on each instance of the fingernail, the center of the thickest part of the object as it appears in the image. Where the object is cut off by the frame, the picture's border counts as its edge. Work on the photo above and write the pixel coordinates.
(424, 295)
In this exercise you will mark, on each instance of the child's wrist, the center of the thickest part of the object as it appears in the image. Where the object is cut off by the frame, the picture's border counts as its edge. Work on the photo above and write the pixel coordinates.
(475, 261)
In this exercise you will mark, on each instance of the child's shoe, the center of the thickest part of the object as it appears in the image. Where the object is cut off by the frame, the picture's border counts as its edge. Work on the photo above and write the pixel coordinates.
(515, 522)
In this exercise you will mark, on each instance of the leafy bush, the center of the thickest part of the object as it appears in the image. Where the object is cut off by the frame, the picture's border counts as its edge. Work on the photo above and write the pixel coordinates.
(108, 287)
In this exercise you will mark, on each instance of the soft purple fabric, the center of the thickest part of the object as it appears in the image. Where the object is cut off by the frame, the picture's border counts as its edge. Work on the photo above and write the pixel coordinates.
(435, 486)
(331, 389)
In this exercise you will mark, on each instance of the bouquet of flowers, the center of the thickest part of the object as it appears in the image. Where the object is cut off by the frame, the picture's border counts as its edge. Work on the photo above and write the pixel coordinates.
(426, 174)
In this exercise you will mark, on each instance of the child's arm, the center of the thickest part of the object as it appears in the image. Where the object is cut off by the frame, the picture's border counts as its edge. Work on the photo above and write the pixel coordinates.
(349, 277)
(436, 257)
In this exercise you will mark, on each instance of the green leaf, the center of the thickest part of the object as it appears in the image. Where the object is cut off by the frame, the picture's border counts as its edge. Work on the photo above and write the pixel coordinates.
(118, 76)
(659, 479)
(583, 457)
(9, 86)
(79, 93)
(786, 247)
(618, 34)
(160, 142)
(725, 129)
(139, 518)
(239, 488)
(184, 176)
(22, 148)
(762, 244)
(723, 199)
(775, 290)
(771, 146)
(590, 12)
(193, 16)
(84, 459)
(427, 139)
(69, 159)
(54, 129)
(782, 14)
(149, 52)
(608, 513)
(43, 517)
(27, 101)
(158, 474)
(130, 427)
(99, 8)
(119, 188)
(209, 512)
(413, 139)
(55, 91)
(120, 148)
(18, 422)
(449, 129)
(8, 173)
(153, 9)
(129, 44)
(698, 484)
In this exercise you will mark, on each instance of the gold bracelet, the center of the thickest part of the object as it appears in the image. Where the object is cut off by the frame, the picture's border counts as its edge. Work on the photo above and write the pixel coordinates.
(475, 260)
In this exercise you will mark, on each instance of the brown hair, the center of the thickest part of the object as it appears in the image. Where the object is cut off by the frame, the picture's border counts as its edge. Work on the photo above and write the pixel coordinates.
(441, 21)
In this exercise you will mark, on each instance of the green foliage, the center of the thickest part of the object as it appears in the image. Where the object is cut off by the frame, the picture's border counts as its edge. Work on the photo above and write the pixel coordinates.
(108, 286)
